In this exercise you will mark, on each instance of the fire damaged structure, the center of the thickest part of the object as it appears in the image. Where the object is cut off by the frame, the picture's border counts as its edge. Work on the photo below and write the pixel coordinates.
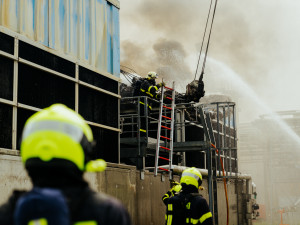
(75, 60)
(205, 136)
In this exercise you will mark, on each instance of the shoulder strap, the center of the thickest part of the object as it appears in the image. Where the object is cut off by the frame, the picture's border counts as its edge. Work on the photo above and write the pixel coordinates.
(42, 204)
(187, 204)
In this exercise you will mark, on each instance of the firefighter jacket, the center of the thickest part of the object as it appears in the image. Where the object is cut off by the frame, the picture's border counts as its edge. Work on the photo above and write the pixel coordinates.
(149, 88)
(186, 208)
(86, 207)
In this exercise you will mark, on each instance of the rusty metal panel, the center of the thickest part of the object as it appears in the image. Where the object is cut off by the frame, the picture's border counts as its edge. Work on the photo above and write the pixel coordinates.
(87, 30)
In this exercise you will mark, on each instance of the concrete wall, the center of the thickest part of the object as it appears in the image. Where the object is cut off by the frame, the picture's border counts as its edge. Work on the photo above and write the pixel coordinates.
(142, 197)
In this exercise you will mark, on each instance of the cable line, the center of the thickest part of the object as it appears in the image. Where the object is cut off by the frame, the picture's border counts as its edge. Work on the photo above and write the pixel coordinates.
(128, 74)
(129, 68)
(212, 21)
(208, 41)
(203, 38)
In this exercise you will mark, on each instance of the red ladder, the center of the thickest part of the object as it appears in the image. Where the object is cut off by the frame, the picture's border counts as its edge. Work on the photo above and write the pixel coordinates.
(170, 128)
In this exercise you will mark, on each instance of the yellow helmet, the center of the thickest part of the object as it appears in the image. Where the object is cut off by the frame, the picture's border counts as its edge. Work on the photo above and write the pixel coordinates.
(191, 176)
(58, 132)
(152, 75)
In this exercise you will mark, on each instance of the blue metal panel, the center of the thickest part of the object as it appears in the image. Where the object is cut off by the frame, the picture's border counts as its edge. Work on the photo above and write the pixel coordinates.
(101, 39)
(27, 18)
(113, 40)
(63, 36)
(116, 42)
(75, 19)
(87, 16)
(43, 30)
(109, 38)
(88, 30)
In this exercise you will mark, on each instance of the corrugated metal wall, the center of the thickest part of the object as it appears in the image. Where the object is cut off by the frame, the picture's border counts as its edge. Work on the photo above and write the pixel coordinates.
(88, 30)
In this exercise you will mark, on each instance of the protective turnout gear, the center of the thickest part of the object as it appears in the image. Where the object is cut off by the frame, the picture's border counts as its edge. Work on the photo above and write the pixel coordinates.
(54, 208)
(58, 132)
(56, 149)
(191, 176)
(173, 183)
(149, 89)
(136, 85)
(175, 189)
(188, 206)
(85, 207)
(152, 75)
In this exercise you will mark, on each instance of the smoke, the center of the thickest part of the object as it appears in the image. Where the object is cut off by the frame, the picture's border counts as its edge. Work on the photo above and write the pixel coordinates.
(256, 39)
(253, 39)
(167, 59)
(162, 41)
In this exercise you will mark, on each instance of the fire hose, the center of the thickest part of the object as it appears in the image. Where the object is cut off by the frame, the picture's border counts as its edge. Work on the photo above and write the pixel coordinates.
(224, 180)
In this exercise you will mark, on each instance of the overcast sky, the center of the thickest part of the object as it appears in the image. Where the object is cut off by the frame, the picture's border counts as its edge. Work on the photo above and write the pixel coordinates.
(254, 48)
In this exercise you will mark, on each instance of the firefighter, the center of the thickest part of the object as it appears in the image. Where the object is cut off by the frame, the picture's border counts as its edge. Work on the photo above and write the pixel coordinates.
(148, 88)
(56, 150)
(175, 189)
(188, 206)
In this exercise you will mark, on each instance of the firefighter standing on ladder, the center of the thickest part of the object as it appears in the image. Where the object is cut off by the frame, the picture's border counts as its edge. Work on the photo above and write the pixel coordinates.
(187, 206)
(148, 88)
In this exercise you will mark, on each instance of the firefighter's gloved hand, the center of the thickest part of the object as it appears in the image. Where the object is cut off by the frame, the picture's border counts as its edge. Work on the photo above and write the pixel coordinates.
(174, 183)
(162, 84)
(175, 189)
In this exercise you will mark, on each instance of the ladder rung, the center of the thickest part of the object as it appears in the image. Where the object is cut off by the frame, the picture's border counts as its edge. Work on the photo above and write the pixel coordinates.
(165, 122)
(164, 158)
(163, 169)
(169, 88)
(166, 138)
(167, 117)
(167, 107)
(165, 148)
(166, 127)
(149, 168)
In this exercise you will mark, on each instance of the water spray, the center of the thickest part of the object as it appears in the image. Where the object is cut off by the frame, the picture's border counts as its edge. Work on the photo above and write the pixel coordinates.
(246, 89)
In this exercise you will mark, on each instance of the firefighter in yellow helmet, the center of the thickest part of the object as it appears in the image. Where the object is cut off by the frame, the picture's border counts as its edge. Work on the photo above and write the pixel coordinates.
(187, 206)
(56, 149)
(147, 88)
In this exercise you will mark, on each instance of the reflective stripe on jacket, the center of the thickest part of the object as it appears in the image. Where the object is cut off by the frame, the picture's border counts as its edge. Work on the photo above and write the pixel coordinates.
(149, 89)
(187, 209)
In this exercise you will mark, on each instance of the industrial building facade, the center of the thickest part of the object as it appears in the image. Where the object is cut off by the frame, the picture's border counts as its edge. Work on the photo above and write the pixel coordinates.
(68, 52)
(32, 79)
(60, 52)
(271, 155)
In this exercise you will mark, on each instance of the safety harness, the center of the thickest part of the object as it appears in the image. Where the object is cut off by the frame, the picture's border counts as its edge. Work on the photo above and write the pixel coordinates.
(181, 213)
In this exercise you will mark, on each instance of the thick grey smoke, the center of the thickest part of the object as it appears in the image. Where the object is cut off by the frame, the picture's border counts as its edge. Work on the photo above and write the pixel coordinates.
(256, 39)
(167, 59)
(253, 57)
